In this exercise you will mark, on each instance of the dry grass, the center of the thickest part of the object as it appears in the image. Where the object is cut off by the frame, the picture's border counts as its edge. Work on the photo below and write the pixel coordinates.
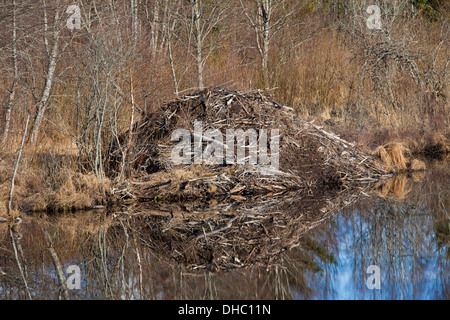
(398, 153)
(384, 156)
(79, 191)
(394, 156)
(397, 157)
(62, 189)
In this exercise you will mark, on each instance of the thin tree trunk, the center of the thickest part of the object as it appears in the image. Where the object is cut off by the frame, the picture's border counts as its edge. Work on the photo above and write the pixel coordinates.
(42, 104)
(16, 167)
(172, 66)
(199, 42)
(155, 28)
(265, 16)
(135, 21)
(168, 27)
(130, 130)
(15, 79)
(262, 24)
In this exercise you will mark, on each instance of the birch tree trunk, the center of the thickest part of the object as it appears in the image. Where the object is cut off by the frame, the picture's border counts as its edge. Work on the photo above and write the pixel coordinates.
(134, 12)
(206, 17)
(134, 20)
(15, 78)
(262, 25)
(198, 34)
(16, 167)
(265, 12)
(268, 18)
(42, 104)
(154, 31)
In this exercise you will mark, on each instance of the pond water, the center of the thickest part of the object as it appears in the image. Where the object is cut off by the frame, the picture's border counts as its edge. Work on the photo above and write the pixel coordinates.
(310, 247)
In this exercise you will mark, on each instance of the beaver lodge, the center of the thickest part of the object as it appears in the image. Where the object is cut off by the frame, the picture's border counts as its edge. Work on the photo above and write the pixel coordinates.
(173, 149)
(200, 200)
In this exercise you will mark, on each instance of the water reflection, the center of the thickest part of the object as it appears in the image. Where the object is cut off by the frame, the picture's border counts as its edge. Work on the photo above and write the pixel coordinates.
(297, 246)
(404, 231)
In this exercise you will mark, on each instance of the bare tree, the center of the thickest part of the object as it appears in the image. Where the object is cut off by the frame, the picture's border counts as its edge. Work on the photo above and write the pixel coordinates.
(170, 21)
(16, 167)
(35, 50)
(155, 26)
(53, 57)
(388, 52)
(268, 18)
(204, 18)
(15, 80)
(105, 99)
(135, 22)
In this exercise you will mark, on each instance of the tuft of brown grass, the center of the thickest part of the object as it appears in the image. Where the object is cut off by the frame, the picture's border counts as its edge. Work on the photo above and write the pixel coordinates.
(394, 156)
(77, 191)
(399, 152)
(397, 157)
(63, 189)
(384, 156)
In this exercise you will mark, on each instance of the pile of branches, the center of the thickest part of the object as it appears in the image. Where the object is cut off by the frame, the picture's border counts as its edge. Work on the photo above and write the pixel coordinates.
(308, 154)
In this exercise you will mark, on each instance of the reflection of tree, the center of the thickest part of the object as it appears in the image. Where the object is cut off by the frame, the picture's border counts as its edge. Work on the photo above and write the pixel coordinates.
(15, 237)
(402, 230)
(400, 237)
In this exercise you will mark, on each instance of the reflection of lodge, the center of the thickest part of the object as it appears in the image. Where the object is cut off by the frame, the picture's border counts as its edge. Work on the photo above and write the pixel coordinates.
(232, 234)
(237, 234)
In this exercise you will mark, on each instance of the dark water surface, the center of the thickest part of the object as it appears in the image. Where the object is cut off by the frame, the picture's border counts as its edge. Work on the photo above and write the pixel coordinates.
(305, 247)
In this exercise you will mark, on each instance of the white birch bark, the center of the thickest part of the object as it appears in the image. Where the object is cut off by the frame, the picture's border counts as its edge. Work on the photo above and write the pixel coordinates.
(42, 103)
(12, 92)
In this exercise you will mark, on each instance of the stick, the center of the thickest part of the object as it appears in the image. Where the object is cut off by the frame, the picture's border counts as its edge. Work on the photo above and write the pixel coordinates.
(16, 167)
